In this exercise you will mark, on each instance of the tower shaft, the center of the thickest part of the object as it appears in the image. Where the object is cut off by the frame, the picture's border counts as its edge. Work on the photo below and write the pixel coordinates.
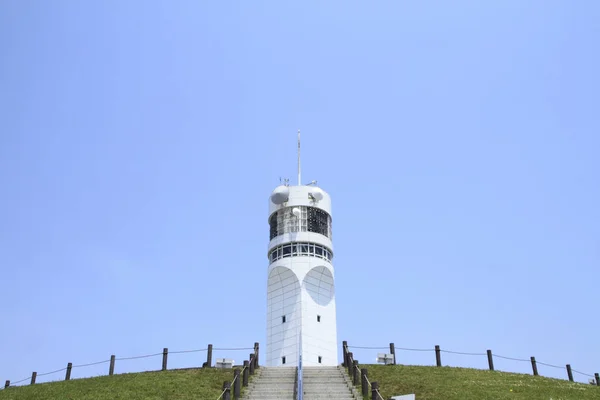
(300, 288)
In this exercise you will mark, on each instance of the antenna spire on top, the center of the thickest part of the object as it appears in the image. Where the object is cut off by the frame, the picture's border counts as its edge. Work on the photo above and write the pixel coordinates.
(299, 170)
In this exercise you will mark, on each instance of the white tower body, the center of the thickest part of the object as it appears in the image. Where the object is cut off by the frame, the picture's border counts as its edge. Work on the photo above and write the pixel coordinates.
(300, 289)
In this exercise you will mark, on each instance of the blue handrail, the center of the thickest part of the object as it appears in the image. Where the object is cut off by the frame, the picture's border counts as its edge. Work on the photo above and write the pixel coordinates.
(300, 392)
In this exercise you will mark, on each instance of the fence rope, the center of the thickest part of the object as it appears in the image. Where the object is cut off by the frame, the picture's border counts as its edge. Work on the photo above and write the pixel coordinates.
(511, 358)
(234, 348)
(22, 380)
(407, 349)
(232, 382)
(385, 348)
(235, 377)
(221, 395)
(347, 347)
(138, 357)
(366, 377)
(187, 351)
(53, 372)
(462, 353)
(14, 383)
(133, 358)
(583, 373)
(548, 365)
(90, 364)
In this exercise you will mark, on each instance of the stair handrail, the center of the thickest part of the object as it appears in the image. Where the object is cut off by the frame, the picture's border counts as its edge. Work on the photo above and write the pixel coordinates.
(239, 375)
(300, 390)
(350, 361)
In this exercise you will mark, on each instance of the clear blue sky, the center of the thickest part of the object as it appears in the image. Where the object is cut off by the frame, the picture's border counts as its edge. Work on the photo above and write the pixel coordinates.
(139, 142)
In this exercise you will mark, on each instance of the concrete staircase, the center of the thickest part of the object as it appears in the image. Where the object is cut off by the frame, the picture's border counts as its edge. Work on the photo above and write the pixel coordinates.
(327, 383)
(320, 383)
(272, 383)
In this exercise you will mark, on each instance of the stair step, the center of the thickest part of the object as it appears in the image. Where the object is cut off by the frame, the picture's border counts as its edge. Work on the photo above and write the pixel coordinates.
(320, 383)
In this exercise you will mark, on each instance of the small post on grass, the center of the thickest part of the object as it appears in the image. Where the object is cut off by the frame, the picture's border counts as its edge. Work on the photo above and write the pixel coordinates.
(68, 374)
(256, 351)
(569, 372)
(393, 352)
(251, 363)
(6, 384)
(355, 373)
(237, 383)
(490, 360)
(33, 376)
(534, 366)
(165, 356)
(438, 356)
(209, 356)
(374, 391)
(350, 363)
(245, 373)
(597, 375)
(111, 368)
(226, 390)
(363, 383)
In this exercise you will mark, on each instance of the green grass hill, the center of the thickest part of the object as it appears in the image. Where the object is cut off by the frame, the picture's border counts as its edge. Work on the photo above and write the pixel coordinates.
(429, 383)
(450, 383)
(185, 384)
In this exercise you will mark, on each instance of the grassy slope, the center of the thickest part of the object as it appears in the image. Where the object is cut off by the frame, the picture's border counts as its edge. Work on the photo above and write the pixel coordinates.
(429, 383)
(448, 383)
(171, 385)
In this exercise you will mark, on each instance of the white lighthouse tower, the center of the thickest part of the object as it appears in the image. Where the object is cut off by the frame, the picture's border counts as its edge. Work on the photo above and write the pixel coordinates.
(301, 315)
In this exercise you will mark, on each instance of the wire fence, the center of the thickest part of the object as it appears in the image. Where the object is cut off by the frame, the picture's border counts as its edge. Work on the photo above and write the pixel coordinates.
(353, 368)
(113, 359)
(354, 371)
(228, 386)
(391, 350)
(238, 375)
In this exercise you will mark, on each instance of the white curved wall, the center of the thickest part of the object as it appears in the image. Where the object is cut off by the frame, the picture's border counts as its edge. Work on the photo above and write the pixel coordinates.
(283, 299)
(318, 283)
(319, 338)
(302, 289)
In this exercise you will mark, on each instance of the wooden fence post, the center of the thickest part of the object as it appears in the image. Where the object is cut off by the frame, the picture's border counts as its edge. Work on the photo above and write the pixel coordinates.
(350, 362)
(111, 369)
(490, 360)
(209, 356)
(6, 384)
(569, 372)
(363, 382)
(165, 356)
(251, 363)
(355, 373)
(256, 351)
(245, 373)
(344, 350)
(534, 366)
(393, 352)
(227, 390)
(374, 391)
(33, 377)
(68, 374)
(438, 356)
(597, 375)
(237, 384)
